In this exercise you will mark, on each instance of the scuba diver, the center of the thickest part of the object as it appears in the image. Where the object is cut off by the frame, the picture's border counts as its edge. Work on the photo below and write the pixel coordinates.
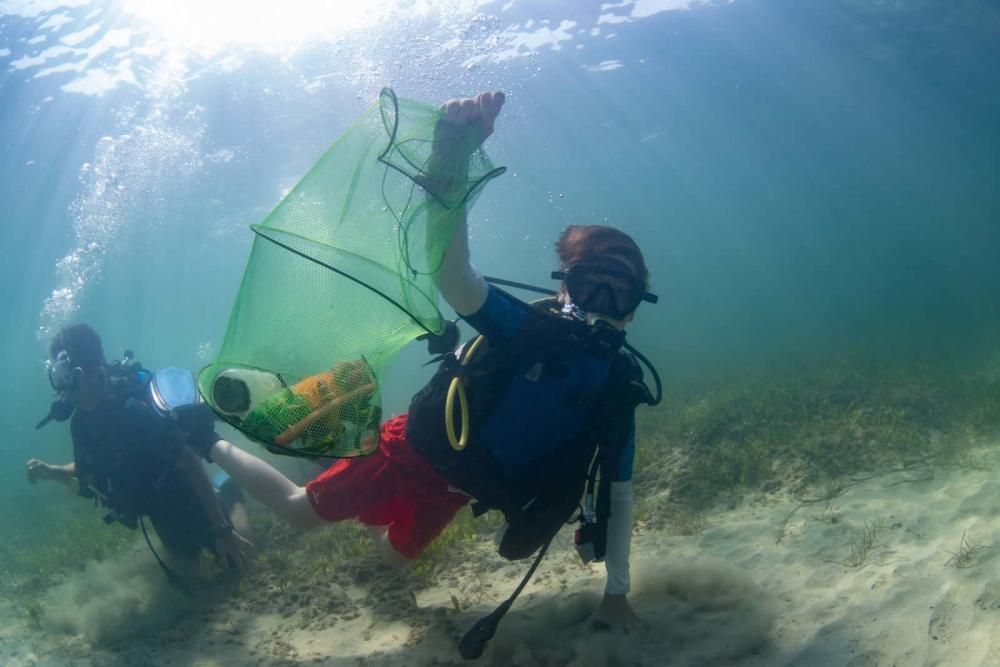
(130, 452)
(546, 393)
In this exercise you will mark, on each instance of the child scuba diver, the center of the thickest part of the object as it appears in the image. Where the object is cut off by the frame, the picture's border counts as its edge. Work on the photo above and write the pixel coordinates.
(550, 399)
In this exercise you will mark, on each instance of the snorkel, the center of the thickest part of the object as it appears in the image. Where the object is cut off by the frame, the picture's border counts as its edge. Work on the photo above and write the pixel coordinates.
(60, 410)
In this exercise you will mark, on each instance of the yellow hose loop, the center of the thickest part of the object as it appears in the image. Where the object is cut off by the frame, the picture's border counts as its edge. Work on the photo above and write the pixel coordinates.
(459, 441)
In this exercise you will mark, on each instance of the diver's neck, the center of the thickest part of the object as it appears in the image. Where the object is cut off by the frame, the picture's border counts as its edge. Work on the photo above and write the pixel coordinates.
(92, 397)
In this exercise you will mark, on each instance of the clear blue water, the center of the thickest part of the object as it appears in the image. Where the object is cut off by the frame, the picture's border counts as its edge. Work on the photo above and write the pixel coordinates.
(807, 179)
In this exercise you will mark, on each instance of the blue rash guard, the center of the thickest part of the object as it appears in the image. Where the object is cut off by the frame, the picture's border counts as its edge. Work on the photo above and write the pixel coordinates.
(548, 400)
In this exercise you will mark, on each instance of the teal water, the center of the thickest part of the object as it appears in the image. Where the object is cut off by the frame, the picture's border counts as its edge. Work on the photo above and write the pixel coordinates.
(808, 180)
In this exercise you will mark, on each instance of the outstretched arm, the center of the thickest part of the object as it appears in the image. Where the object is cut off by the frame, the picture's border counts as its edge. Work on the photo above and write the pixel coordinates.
(619, 539)
(615, 610)
(38, 469)
(466, 123)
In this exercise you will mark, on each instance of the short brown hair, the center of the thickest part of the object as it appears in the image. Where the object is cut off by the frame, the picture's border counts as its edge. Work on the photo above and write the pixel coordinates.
(579, 243)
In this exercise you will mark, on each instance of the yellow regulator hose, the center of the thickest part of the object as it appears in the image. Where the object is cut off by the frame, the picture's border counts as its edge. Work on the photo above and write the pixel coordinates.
(457, 387)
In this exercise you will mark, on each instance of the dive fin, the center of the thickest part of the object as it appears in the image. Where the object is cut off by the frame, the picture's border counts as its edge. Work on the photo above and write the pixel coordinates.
(474, 642)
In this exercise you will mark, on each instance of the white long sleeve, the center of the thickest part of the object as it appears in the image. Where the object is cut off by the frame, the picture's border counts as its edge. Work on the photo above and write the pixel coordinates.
(616, 561)
(460, 284)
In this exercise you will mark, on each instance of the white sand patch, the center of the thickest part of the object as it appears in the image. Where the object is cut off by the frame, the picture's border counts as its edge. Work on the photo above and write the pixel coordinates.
(903, 606)
(737, 595)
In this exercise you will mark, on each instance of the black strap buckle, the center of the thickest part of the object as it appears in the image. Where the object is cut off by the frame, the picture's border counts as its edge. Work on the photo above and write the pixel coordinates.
(445, 342)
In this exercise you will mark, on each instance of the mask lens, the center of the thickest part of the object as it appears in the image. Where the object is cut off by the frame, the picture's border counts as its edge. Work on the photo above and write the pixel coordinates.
(62, 374)
(608, 290)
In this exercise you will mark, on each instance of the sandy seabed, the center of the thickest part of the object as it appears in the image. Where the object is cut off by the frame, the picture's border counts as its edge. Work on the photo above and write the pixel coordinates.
(897, 570)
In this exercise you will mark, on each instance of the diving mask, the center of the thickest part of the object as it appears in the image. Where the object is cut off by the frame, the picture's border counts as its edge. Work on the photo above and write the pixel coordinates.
(606, 286)
(63, 375)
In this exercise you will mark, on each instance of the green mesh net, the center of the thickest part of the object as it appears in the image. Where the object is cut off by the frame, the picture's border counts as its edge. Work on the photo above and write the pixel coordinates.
(340, 278)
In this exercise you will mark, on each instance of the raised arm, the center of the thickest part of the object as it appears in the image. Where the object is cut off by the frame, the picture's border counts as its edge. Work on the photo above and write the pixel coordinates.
(465, 125)
(460, 283)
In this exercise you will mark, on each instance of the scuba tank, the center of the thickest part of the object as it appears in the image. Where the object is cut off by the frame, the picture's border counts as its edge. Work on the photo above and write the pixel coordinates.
(171, 389)
(173, 393)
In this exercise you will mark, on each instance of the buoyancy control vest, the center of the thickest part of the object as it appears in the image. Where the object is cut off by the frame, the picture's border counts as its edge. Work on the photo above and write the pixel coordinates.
(561, 475)
(172, 394)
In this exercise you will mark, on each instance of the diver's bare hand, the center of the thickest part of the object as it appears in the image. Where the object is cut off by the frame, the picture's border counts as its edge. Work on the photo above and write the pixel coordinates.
(479, 112)
(615, 613)
(232, 549)
(464, 126)
(38, 469)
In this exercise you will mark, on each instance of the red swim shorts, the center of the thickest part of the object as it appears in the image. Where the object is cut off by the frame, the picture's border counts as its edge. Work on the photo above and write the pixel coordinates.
(393, 486)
